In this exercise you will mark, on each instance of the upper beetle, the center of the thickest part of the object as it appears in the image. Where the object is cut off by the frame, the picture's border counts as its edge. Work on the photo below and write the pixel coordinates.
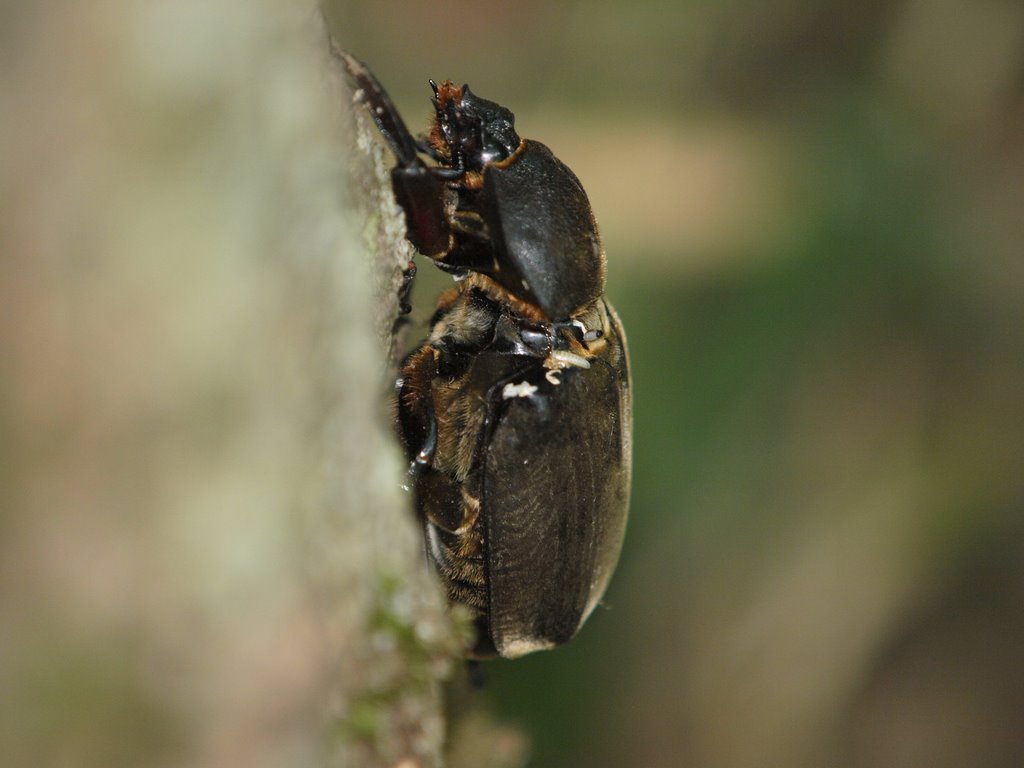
(516, 412)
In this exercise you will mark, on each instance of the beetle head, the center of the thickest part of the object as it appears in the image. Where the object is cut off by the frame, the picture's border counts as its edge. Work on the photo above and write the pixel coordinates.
(469, 131)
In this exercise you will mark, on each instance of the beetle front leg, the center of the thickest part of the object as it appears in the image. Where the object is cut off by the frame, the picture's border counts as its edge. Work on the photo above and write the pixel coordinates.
(419, 189)
(421, 193)
(471, 249)
(372, 94)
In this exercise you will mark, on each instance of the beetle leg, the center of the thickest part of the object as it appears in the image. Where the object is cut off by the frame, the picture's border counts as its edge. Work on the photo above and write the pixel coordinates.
(424, 146)
(408, 275)
(415, 406)
(416, 419)
(470, 224)
(421, 193)
(382, 110)
(419, 189)
(425, 456)
(472, 250)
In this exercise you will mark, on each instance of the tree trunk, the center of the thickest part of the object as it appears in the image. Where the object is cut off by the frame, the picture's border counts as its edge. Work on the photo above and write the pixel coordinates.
(205, 555)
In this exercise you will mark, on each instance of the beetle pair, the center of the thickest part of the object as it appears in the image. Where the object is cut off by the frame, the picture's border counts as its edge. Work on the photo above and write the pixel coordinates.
(516, 412)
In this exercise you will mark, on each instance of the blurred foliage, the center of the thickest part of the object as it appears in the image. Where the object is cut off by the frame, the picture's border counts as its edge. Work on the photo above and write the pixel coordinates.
(813, 219)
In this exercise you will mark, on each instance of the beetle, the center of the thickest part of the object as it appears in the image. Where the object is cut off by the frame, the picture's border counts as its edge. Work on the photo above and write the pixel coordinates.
(516, 412)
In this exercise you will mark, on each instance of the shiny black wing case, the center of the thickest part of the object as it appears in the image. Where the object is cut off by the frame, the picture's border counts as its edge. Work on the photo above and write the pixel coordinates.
(555, 487)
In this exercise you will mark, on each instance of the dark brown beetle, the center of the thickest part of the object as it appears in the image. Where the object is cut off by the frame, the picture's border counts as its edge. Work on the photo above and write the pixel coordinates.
(516, 412)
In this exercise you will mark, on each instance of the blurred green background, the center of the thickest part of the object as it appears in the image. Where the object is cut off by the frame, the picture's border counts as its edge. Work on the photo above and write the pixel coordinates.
(814, 217)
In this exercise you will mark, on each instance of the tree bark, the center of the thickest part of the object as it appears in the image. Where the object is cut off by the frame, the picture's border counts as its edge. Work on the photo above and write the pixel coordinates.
(205, 554)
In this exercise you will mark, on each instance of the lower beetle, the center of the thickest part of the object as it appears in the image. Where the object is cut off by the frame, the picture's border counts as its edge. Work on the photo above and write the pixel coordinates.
(516, 412)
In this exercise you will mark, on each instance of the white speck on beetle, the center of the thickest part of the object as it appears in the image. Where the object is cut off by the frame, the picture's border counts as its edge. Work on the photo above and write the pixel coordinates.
(522, 389)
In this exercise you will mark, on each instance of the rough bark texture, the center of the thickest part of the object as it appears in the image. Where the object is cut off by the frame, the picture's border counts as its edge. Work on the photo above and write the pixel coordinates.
(205, 557)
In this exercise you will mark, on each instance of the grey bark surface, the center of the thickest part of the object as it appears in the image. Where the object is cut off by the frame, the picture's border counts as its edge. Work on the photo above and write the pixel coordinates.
(206, 555)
